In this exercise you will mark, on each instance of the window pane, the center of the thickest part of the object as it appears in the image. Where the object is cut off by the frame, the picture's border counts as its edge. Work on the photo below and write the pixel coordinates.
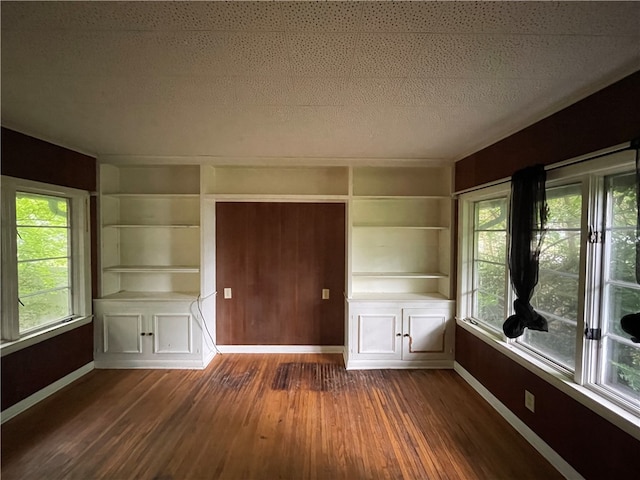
(42, 242)
(39, 310)
(621, 370)
(44, 262)
(41, 210)
(556, 296)
(489, 266)
(619, 364)
(42, 275)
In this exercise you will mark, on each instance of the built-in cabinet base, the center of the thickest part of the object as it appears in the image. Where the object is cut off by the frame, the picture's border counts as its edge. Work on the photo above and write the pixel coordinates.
(399, 334)
(143, 334)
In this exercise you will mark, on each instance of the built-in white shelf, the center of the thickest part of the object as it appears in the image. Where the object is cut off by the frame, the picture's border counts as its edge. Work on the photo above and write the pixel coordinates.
(400, 232)
(153, 269)
(152, 195)
(240, 197)
(152, 296)
(407, 227)
(399, 275)
(123, 225)
(395, 297)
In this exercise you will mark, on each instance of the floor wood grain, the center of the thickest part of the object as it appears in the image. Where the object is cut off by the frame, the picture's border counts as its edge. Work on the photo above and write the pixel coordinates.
(267, 417)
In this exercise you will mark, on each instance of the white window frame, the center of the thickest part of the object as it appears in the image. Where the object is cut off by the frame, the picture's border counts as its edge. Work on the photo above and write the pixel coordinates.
(581, 384)
(80, 263)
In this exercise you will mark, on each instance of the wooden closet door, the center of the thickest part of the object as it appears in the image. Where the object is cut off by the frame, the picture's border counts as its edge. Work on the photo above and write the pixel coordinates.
(277, 258)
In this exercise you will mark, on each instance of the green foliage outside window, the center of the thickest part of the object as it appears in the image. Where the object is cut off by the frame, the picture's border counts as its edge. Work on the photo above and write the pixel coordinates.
(43, 248)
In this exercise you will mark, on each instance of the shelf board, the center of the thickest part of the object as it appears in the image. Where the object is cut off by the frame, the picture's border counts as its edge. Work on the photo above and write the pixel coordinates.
(406, 227)
(404, 297)
(151, 195)
(275, 196)
(147, 225)
(400, 274)
(153, 269)
(158, 296)
(401, 197)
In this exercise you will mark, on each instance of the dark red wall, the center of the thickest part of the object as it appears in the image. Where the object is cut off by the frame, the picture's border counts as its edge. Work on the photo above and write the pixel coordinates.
(605, 119)
(31, 369)
(592, 445)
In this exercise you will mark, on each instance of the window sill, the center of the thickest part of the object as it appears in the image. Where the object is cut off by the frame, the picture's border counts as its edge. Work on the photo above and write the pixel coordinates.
(9, 347)
(622, 418)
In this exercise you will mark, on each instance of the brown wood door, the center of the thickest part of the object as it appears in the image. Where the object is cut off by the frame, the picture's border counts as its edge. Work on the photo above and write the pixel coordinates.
(276, 258)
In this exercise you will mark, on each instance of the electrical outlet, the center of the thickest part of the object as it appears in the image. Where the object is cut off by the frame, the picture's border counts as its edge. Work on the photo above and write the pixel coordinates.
(325, 294)
(227, 293)
(529, 401)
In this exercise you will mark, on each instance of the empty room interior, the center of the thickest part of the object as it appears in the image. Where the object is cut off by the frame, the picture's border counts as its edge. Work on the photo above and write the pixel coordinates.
(320, 240)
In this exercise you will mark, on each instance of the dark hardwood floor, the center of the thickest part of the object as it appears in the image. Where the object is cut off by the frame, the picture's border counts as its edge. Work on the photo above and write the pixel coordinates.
(267, 417)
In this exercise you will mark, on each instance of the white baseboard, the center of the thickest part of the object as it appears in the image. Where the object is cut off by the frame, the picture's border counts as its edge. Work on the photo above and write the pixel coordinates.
(149, 364)
(529, 435)
(280, 349)
(397, 364)
(40, 395)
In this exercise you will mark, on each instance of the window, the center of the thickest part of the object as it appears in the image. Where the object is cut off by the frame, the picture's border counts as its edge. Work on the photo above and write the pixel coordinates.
(586, 274)
(489, 261)
(44, 257)
(556, 296)
(619, 362)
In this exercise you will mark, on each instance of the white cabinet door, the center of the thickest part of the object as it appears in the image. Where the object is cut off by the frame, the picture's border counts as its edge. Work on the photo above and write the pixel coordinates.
(172, 333)
(427, 333)
(122, 333)
(377, 333)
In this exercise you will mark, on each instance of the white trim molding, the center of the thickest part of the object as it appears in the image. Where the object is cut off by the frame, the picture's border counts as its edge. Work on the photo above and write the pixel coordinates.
(529, 435)
(280, 349)
(47, 391)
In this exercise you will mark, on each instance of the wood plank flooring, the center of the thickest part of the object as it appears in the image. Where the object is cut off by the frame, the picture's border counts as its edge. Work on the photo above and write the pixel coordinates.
(267, 417)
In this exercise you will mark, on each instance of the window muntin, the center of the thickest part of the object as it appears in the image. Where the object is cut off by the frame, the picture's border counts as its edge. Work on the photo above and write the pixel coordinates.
(619, 358)
(43, 245)
(557, 294)
(489, 261)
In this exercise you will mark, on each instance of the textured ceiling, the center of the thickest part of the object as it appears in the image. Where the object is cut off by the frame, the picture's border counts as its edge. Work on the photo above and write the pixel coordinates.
(310, 81)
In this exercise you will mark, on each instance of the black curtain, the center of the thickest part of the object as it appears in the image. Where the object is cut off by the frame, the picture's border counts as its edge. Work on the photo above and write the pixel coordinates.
(527, 225)
(631, 323)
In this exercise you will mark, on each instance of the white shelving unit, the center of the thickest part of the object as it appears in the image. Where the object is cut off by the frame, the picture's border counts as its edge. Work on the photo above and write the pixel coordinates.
(151, 231)
(400, 232)
(150, 261)
(399, 261)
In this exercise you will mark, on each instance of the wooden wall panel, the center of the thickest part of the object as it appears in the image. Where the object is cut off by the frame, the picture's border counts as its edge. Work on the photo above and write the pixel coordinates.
(34, 368)
(27, 157)
(605, 119)
(29, 370)
(277, 258)
(593, 446)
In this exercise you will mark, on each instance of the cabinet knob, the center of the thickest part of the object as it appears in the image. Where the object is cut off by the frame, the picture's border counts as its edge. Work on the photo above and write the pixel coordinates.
(151, 333)
(398, 334)
(406, 335)
(142, 334)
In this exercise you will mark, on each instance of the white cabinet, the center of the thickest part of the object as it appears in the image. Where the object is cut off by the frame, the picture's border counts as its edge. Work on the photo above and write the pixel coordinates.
(400, 334)
(146, 335)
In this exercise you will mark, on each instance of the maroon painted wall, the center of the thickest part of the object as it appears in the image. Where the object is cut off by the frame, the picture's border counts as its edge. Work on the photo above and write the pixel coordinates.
(592, 445)
(28, 370)
(605, 119)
